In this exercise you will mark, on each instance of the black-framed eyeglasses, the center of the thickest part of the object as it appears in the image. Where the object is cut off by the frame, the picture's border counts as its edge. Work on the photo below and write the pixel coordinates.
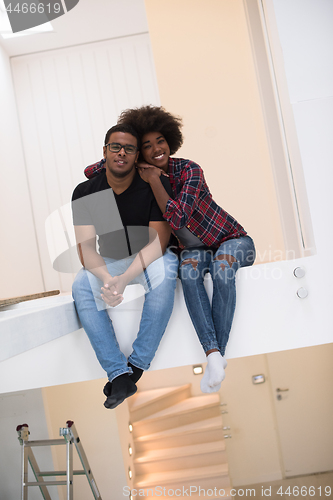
(115, 147)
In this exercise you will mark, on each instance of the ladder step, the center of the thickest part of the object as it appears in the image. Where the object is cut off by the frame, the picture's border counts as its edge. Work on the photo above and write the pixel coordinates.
(46, 483)
(44, 442)
(59, 473)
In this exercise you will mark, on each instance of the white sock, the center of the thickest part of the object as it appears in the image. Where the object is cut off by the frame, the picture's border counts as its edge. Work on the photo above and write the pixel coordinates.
(204, 383)
(214, 373)
(216, 365)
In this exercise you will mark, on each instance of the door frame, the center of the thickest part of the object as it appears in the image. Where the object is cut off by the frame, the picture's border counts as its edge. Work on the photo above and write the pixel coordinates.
(280, 129)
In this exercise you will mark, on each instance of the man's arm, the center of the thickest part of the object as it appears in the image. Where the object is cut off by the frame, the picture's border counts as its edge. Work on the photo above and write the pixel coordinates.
(91, 259)
(159, 235)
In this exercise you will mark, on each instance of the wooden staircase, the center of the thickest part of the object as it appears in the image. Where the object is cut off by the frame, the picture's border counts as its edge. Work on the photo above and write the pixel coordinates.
(178, 443)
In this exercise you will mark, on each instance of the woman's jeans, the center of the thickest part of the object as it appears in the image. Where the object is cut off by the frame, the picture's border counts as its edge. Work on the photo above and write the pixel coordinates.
(213, 322)
(159, 282)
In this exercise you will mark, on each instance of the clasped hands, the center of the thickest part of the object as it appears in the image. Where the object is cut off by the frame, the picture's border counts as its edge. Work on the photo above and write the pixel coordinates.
(112, 291)
(148, 171)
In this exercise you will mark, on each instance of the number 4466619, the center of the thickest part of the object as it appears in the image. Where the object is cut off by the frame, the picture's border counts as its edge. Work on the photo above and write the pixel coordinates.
(32, 8)
(304, 491)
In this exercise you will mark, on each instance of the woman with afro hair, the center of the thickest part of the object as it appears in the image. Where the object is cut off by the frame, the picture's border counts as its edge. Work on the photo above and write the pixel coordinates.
(209, 239)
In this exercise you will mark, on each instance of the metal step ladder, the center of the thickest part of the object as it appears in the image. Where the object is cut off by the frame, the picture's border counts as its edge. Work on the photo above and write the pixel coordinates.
(71, 437)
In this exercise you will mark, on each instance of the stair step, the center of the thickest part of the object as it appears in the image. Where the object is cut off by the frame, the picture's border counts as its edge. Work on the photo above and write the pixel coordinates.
(206, 477)
(146, 403)
(190, 410)
(142, 397)
(198, 432)
(170, 459)
(188, 404)
(181, 451)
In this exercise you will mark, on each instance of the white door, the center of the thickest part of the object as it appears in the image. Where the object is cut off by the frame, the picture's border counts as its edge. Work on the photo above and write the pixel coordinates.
(301, 383)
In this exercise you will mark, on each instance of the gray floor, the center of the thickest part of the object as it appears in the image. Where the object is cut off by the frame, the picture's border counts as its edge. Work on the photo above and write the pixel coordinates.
(315, 487)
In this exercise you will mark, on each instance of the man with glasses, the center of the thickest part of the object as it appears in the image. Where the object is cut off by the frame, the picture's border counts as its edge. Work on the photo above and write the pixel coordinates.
(119, 209)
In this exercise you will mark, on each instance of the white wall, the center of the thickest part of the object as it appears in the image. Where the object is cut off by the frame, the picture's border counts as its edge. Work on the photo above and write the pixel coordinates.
(17, 409)
(67, 100)
(88, 22)
(217, 95)
(306, 40)
(20, 271)
(99, 435)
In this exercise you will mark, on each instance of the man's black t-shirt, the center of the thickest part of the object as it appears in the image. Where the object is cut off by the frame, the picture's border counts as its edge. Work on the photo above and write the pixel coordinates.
(121, 220)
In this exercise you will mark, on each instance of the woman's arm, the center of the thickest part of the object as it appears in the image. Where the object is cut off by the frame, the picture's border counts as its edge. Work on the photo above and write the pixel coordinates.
(152, 175)
(178, 211)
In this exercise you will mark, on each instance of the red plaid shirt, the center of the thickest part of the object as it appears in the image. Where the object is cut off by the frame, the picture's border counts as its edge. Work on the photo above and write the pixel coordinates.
(193, 206)
(94, 169)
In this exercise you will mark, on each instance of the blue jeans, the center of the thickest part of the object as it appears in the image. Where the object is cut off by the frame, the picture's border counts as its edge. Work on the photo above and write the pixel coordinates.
(213, 322)
(159, 281)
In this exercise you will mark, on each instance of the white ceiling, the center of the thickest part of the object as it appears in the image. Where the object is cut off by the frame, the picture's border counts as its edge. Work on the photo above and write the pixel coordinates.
(88, 21)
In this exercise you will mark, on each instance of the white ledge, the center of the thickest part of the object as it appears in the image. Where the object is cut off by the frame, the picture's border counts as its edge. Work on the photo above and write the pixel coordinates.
(29, 324)
(48, 348)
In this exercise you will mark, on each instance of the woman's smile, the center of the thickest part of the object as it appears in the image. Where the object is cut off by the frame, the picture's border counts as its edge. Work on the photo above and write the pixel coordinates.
(155, 150)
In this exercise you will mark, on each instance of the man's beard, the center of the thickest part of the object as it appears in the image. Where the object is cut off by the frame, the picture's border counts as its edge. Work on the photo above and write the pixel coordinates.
(120, 173)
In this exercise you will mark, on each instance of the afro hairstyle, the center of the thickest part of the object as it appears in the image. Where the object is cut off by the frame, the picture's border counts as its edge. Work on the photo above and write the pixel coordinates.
(155, 119)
